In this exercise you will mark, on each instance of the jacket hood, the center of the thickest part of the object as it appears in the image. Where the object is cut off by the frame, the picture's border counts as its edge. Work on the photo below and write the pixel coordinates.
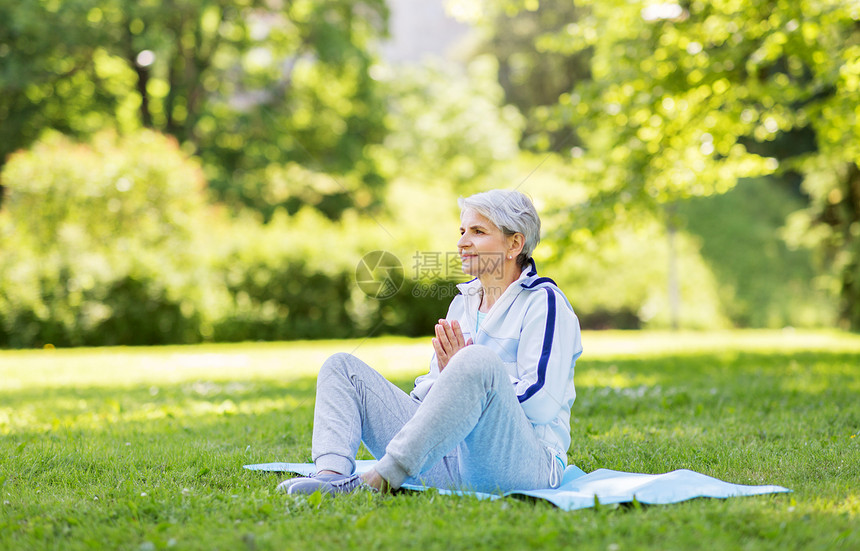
(530, 279)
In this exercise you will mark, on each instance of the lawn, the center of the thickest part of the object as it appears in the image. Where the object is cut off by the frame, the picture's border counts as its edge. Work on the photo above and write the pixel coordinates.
(142, 448)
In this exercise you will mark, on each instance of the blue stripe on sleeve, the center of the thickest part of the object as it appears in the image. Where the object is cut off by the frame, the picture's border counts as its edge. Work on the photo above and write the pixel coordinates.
(545, 350)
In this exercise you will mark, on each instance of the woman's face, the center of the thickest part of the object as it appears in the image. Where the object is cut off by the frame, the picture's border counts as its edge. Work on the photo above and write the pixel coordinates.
(483, 247)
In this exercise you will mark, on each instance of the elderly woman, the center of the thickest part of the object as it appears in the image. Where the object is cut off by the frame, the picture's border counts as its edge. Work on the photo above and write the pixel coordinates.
(493, 413)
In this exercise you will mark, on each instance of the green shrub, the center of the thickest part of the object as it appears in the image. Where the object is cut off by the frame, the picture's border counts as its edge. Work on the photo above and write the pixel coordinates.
(142, 312)
(416, 308)
(125, 252)
(282, 298)
(98, 243)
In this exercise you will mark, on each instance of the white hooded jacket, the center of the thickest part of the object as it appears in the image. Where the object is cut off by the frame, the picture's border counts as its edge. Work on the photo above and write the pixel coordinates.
(533, 329)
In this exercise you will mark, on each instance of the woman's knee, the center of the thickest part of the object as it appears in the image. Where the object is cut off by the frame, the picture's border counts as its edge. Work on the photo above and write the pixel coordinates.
(336, 363)
(475, 360)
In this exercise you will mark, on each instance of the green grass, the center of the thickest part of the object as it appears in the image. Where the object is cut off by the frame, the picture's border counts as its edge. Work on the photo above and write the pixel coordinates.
(142, 448)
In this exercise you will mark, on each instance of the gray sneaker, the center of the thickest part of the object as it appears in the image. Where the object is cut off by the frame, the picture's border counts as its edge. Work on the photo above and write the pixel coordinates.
(340, 485)
(326, 477)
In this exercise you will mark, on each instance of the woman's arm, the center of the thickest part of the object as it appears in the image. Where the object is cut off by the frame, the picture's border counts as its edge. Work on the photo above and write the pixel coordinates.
(547, 351)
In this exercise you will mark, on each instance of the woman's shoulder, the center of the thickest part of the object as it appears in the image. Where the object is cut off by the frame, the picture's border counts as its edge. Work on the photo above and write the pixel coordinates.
(546, 295)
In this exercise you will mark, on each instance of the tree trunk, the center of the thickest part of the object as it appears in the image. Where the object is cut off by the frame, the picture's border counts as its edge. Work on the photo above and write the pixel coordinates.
(850, 230)
(674, 281)
(142, 81)
(142, 77)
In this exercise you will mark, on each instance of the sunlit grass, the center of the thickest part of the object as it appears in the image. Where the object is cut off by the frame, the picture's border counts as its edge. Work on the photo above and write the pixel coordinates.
(125, 366)
(142, 448)
(649, 343)
(394, 356)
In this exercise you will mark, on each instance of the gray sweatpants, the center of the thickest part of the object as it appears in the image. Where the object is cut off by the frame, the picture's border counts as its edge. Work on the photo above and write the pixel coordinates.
(468, 432)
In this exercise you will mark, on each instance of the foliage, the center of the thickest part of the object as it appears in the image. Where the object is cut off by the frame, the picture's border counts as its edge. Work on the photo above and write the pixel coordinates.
(119, 281)
(533, 76)
(97, 243)
(244, 83)
(622, 281)
(447, 125)
(123, 250)
(618, 278)
(294, 277)
(686, 98)
(763, 282)
(142, 448)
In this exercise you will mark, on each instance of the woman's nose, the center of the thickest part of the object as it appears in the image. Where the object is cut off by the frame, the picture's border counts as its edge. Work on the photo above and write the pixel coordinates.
(463, 242)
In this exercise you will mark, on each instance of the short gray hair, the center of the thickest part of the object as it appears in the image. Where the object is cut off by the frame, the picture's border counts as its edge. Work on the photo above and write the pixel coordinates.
(512, 212)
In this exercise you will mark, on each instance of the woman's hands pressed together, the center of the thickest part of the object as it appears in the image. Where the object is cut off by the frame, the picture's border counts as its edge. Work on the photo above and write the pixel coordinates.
(449, 340)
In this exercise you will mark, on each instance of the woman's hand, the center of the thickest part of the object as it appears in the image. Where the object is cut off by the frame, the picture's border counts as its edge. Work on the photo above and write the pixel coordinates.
(449, 339)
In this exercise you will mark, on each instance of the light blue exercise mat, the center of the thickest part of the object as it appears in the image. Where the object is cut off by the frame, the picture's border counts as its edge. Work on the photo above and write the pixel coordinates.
(579, 490)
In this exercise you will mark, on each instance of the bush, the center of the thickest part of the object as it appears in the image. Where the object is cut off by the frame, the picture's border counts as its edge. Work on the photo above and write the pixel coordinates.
(282, 298)
(124, 252)
(416, 308)
(295, 278)
(142, 312)
(622, 280)
(98, 243)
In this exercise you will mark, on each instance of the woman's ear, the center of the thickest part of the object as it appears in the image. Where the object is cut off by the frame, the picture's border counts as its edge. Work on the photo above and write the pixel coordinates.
(516, 242)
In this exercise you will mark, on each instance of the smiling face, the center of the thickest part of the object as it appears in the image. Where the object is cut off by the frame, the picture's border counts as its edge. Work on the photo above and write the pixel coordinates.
(484, 248)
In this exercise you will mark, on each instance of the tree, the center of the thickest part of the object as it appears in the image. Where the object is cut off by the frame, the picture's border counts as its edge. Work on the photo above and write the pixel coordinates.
(688, 97)
(244, 83)
(449, 125)
(532, 73)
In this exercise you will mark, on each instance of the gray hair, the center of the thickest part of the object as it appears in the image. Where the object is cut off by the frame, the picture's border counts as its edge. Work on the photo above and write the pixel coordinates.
(512, 212)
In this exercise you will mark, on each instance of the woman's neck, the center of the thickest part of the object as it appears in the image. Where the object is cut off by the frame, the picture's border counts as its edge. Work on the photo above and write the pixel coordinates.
(494, 287)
